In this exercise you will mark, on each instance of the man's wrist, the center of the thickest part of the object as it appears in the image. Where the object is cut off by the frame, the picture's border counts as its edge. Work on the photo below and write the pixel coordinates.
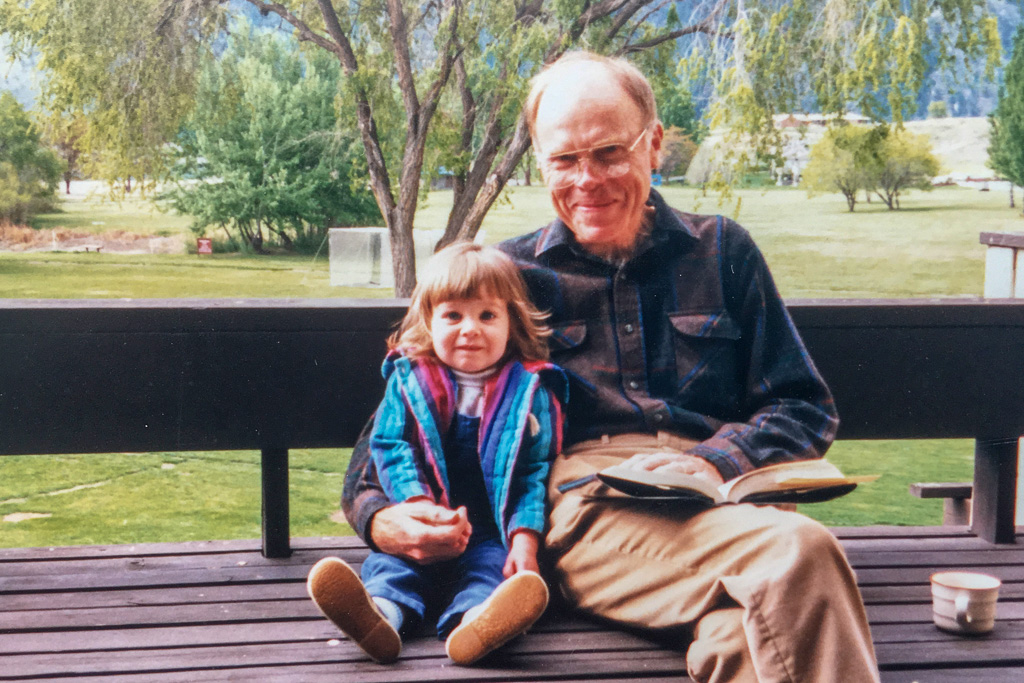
(726, 468)
(364, 525)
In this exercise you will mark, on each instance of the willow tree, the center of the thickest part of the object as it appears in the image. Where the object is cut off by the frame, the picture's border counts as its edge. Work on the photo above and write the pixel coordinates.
(122, 67)
(831, 57)
(458, 70)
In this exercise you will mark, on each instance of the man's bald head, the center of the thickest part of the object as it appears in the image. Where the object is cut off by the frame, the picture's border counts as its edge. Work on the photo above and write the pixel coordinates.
(574, 66)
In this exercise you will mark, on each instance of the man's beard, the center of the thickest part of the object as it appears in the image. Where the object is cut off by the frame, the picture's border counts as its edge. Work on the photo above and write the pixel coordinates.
(619, 255)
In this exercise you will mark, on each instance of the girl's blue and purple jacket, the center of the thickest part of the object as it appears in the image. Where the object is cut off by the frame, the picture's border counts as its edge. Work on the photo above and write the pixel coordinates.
(520, 434)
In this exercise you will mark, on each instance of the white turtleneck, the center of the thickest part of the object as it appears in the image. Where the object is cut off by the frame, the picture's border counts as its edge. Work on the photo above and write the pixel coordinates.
(470, 396)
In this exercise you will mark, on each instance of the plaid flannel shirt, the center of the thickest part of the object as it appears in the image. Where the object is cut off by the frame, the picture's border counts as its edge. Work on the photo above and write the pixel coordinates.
(689, 336)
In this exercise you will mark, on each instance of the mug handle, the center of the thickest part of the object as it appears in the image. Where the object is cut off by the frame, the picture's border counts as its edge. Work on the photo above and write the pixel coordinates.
(962, 617)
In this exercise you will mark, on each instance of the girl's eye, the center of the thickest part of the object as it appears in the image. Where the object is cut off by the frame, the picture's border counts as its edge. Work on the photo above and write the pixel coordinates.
(452, 316)
(487, 315)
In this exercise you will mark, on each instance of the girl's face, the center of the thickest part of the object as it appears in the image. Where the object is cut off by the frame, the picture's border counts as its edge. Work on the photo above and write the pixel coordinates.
(470, 335)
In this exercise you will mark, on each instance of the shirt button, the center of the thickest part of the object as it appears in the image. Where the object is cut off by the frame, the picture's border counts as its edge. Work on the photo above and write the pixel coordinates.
(634, 385)
(629, 328)
(659, 418)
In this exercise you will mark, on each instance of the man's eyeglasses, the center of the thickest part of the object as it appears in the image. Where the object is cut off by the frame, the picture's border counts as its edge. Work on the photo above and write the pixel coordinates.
(608, 160)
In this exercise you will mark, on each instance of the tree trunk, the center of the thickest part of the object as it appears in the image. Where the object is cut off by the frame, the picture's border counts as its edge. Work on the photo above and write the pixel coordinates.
(469, 222)
(527, 165)
(1011, 195)
(403, 253)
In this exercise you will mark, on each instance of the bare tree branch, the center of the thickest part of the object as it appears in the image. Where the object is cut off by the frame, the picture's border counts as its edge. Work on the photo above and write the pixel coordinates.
(627, 12)
(303, 29)
(403, 65)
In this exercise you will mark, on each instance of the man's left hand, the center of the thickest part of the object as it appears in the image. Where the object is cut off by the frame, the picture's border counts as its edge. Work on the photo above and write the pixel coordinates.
(675, 462)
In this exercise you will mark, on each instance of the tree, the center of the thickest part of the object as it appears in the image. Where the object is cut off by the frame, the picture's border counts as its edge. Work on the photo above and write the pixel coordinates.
(846, 159)
(875, 159)
(1006, 139)
(125, 68)
(29, 171)
(676, 108)
(907, 163)
(64, 134)
(938, 110)
(263, 154)
(409, 66)
(678, 150)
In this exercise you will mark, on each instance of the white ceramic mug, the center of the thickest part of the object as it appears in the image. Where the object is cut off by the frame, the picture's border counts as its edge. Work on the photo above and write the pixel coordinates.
(964, 602)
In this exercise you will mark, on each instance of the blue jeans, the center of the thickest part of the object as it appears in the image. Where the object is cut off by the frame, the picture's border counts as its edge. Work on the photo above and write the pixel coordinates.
(463, 582)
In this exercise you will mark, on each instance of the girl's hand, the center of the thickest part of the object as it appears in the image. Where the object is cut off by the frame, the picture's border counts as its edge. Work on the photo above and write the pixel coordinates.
(522, 555)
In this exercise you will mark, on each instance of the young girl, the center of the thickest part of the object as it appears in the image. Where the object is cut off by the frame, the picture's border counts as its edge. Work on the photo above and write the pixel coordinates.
(469, 421)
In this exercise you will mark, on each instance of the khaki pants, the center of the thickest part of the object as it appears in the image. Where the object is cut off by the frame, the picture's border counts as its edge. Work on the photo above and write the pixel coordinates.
(767, 594)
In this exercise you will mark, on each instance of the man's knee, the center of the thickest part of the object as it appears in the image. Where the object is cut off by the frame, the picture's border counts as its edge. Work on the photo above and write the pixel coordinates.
(719, 651)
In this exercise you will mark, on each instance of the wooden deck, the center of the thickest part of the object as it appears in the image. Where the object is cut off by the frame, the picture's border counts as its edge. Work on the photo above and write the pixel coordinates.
(222, 611)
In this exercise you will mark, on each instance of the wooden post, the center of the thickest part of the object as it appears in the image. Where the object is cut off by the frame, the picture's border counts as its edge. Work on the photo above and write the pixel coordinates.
(1004, 278)
(995, 489)
(276, 532)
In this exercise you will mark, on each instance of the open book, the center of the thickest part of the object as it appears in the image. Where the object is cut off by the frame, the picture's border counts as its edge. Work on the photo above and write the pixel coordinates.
(801, 481)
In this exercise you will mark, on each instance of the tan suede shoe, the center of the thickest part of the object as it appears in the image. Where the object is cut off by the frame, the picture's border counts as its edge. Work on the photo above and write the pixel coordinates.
(340, 595)
(509, 611)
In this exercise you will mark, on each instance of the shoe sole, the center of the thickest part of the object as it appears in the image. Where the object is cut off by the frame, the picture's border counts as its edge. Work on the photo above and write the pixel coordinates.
(341, 596)
(509, 611)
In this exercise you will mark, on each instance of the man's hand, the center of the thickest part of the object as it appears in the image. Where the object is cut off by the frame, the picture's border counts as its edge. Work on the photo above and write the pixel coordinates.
(522, 553)
(675, 462)
(421, 531)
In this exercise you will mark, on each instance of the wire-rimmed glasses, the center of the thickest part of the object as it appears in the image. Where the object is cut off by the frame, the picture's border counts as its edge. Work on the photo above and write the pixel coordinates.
(610, 160)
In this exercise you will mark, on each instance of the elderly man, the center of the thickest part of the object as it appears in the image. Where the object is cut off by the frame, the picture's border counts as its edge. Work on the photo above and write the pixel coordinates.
(682, 357)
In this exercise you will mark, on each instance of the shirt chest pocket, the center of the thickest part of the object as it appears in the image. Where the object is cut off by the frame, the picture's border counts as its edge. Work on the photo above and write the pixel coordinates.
(705, 347)
(567, 337)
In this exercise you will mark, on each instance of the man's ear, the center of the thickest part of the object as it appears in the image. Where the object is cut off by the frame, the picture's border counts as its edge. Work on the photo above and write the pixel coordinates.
(657, 135)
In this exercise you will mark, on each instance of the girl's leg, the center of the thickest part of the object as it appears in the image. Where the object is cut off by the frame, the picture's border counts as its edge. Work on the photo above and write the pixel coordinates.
(404, 583)
(341, 596)
(489, 611)
(475, 575)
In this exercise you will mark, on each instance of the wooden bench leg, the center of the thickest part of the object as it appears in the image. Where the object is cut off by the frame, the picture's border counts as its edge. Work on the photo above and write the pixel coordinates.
(956, 512)
(995, 489)
(276, 522)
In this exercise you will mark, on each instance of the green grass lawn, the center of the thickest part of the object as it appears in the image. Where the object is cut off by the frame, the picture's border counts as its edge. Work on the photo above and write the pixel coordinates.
(81, 499)
(97, 213)
(55, 275)
(815, 247)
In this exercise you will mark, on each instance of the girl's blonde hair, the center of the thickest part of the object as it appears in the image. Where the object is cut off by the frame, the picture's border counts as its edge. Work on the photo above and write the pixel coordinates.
(466, 270)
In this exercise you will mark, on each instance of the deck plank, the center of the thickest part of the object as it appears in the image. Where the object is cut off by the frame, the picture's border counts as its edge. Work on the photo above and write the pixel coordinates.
(220, 611)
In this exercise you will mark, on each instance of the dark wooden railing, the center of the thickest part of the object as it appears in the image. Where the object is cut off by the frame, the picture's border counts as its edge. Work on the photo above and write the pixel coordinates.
(185, 375)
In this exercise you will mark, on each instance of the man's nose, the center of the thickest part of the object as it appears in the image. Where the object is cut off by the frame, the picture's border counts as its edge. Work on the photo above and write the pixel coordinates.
(588, 172)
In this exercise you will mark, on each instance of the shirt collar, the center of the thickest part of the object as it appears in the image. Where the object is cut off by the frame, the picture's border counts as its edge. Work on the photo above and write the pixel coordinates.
(669, 227)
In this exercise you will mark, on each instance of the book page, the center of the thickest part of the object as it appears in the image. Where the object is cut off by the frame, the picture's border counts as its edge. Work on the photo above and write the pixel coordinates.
(790, 476)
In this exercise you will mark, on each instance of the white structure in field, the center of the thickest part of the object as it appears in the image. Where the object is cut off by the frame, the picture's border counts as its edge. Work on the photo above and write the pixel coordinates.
(361, 257)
